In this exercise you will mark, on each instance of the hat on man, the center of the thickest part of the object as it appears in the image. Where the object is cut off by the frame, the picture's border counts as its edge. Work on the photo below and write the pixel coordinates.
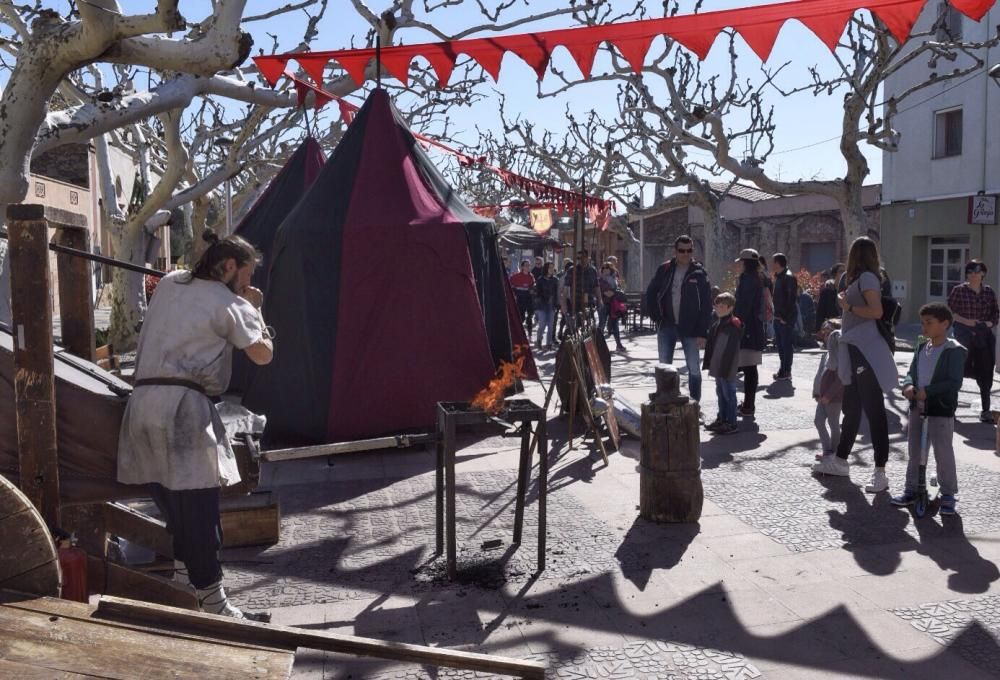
(748, 254)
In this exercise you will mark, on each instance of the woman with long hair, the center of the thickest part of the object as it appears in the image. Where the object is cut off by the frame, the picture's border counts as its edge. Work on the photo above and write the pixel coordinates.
(865, 364)
(610, 286)
(750, 293)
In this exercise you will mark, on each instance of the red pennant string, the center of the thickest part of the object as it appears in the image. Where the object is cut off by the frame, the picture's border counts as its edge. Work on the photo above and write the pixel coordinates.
(399, 66)
(758, 25)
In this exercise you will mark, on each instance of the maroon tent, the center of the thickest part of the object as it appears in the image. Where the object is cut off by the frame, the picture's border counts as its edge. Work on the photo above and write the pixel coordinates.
(387, 294)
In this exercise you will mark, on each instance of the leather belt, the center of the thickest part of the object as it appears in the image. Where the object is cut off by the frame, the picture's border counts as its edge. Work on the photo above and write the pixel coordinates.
(171, 382)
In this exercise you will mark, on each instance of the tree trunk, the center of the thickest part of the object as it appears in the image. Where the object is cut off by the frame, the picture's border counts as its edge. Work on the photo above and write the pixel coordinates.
(128, 295)
(852, 212)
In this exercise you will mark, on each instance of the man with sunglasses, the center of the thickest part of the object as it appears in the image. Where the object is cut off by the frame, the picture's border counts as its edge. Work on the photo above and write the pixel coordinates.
(679, 301)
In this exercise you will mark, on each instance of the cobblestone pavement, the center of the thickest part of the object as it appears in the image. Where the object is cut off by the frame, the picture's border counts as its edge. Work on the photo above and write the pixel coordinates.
(787, 575)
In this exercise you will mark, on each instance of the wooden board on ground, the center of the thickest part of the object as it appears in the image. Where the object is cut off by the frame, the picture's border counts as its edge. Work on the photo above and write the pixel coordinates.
(249, 632)
(600, 378)
(28, 558)
(45, 637)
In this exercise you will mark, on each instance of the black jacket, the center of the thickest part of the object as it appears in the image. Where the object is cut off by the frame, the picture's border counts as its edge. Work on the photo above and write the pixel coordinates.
(696, 299)
(786, 297)
(750, 310)
(827, 307)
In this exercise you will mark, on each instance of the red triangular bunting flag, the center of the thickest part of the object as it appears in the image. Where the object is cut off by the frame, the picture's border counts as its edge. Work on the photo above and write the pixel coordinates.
(583, 54)
(322, 98)
(761, 37)
(398, 64)
(698, 42)
(900, 18)
(828, 28)
(301, 90)
(488, 55)
(355, 65)
(271, 68)
(533, 53)
(314, 66)
(442, 60)
(974, 9)
(634, 50)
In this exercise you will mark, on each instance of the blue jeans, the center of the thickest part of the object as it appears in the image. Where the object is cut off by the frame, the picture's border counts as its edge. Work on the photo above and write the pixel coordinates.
(725, 390)
(545, 318)
(783, 339)
(666, 341)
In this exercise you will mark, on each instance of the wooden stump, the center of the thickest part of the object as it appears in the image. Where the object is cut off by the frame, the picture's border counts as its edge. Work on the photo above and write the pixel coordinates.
(29, 561)
(670, 487)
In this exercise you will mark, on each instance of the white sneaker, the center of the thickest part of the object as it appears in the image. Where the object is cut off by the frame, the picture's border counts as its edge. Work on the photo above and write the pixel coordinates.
(831, 465)
(879, 481)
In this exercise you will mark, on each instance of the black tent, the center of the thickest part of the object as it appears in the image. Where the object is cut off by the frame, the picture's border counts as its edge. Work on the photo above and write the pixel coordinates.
(260, 226)
(525, 238)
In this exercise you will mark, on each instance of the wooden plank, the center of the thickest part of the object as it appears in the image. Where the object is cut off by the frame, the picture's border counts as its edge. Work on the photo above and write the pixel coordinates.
(396, 441)
(70, 644)
(87, 612)
(254, 519)
(293, 638)
(114, 579)
(42, 580)
(87, 523)
(34, 382)
(19, 212)
(138, 527)
(26, 544)
(76, 295)
(11, 669)
(11, 500)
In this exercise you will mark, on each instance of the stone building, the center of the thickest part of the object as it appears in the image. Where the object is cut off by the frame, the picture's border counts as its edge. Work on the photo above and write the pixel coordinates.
(807, 227)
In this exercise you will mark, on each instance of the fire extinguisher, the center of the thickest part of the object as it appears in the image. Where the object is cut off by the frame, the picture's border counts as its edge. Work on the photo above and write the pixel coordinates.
(73, 562)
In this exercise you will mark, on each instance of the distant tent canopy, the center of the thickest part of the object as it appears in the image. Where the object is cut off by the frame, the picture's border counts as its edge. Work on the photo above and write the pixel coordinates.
(386, 294)
(525, 238)
(260, 226)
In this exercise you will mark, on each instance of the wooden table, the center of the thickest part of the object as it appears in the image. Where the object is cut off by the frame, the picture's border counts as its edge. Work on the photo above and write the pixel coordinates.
(43, 637)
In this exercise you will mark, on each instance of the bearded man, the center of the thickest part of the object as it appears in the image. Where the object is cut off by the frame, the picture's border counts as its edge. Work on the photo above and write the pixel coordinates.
(172, 439)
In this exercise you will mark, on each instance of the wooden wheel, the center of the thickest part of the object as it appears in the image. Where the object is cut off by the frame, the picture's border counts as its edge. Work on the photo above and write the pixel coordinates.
(29, 561)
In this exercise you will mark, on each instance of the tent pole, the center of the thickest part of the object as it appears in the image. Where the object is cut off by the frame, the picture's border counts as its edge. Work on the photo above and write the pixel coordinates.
(378, 60)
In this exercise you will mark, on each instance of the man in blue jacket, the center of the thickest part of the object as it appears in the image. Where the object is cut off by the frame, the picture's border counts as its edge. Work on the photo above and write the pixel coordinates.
(679, 301)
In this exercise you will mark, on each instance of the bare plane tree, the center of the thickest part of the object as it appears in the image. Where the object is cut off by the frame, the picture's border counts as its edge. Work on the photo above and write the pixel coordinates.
(90, 56)
(679, 126)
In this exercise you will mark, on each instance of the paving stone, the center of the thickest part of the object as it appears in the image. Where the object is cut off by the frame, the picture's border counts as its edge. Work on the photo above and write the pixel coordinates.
(786, 502)
(971, 628)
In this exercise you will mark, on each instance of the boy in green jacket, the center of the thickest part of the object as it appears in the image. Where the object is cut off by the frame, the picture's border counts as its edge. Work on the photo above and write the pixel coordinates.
(932, 387)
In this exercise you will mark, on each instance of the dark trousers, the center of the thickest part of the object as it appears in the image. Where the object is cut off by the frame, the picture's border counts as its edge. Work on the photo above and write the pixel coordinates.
(783, 339)
(193, 521)
(751, 378)
(613, 326)
(864, 394)
(525, 309)
(979, 363)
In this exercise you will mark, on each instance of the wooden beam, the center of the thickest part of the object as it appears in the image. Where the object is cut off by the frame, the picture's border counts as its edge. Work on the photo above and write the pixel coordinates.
(320, 450)
(34, 383)
(114, 579)
(138, 527)
(76, 295)
(287, 637)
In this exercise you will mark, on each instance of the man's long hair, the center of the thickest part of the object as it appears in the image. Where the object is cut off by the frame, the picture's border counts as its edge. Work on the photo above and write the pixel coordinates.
(212, 263)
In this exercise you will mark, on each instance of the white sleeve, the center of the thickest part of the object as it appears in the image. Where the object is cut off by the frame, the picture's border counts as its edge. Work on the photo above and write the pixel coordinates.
(242, 323)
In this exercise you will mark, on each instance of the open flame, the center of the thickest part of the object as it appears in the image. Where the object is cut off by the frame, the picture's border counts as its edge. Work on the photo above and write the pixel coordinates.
(491, 398)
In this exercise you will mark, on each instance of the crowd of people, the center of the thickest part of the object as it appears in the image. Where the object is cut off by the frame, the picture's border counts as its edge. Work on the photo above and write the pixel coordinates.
(579, 292)
(725, 333)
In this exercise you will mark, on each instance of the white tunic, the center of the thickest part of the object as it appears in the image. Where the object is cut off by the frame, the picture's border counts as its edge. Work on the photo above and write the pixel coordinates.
(173, 435)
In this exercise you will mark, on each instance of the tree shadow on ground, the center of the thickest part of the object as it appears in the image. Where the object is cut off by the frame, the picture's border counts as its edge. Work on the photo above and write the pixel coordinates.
(648, 546)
